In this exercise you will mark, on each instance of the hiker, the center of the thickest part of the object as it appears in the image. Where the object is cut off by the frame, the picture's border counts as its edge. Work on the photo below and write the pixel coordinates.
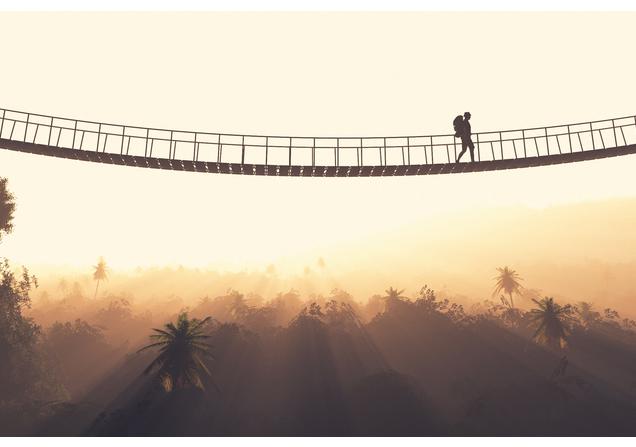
(463, 131)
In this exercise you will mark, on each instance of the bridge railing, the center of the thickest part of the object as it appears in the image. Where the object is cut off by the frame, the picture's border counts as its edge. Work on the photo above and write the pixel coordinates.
(276, 150)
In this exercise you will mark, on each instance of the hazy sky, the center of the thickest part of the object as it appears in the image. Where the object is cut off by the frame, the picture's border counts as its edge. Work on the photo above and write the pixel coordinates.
(295, 73)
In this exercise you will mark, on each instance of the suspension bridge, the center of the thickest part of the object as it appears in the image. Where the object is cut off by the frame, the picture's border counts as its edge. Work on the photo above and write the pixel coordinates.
(320, 156)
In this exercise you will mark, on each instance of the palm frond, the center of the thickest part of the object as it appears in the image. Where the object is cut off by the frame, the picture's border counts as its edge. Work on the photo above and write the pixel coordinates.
(162, 332)
(152, 345)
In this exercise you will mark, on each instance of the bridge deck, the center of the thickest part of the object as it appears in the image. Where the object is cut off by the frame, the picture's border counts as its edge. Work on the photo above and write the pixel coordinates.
(312, 156)
(312, 171)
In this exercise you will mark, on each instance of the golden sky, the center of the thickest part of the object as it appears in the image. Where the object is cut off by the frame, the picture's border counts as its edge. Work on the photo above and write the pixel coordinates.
(295, 73)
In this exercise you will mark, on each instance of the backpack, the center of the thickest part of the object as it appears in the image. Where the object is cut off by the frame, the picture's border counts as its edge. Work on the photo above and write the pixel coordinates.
(458, 125)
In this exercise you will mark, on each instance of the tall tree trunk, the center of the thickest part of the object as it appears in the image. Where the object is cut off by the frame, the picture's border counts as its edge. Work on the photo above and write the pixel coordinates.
(96, 287)
(512, 303)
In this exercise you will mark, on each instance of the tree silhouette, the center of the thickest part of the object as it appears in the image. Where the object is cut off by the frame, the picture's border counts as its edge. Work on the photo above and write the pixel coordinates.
(507, 282)
(587, 315)
(393, 298)
(100, 273)
(552, 322)
(7, 207)
(394, 294)
(180, 355)
(20, 366)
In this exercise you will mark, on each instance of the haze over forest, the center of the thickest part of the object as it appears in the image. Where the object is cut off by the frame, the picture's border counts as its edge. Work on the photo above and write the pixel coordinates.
(574, 252)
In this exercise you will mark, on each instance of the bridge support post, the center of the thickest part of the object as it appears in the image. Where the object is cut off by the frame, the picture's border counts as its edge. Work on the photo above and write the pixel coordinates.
(50, 130)
(384, 152)
(74, 132)
(146, 148)
(243, 151)
(26, 127)
(455, 147)
(361, 153)
(478, 152)
(194, 148)
(170, 154)
(2, 125)
(523, 138)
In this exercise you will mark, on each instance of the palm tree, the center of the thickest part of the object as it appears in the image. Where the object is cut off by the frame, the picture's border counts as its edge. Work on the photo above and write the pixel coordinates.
(393, 298)
(100, 273)
(180, 356)
(507, 282)
(552, 321)
(394, 294)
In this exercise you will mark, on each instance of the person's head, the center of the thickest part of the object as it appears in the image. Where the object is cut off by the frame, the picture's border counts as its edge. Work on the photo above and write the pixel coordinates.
(467, 115)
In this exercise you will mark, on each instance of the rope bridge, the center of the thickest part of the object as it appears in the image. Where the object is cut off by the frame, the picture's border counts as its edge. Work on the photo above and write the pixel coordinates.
(311, 156)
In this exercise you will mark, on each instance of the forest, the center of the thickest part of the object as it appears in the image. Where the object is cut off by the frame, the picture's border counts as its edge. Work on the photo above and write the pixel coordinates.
(82, 362)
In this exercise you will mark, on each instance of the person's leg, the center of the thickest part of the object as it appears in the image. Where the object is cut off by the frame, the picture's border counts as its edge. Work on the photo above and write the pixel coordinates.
(471, 146)
(464, 145)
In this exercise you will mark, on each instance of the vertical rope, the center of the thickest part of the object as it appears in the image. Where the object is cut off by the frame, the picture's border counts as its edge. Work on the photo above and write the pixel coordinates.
(243, 151)
(2, 125)
(384, 151)
(523, 137)
(26, 127)
(74, 132)
(194, 149)
(145, 148)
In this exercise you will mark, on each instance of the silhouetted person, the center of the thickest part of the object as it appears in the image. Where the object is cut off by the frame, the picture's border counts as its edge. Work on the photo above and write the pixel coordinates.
(464, 133)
